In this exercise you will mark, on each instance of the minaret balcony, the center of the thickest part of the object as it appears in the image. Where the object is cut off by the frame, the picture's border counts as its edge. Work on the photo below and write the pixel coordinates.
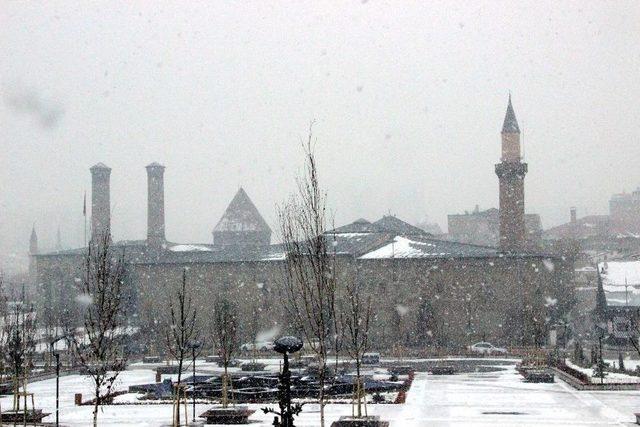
(511, 169)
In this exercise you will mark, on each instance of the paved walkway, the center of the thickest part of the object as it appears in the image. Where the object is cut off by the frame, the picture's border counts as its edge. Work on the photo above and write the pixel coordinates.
(476, 399)
(502, 399)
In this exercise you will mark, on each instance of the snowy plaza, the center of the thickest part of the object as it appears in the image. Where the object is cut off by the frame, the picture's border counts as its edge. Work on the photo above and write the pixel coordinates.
(478, 399)
(363, 213)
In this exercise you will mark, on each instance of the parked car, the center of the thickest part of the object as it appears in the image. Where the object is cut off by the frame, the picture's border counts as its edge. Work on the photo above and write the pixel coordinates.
(486, 348)
(258, 345)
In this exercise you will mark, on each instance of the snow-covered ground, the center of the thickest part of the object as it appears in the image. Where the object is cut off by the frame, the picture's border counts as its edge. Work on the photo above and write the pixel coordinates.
(478, 399)
(610, 377)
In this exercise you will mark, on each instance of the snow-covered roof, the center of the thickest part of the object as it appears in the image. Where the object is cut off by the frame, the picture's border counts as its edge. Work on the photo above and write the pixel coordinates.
(419, 247)
(621, 282)
(189, 248)
(386, 224)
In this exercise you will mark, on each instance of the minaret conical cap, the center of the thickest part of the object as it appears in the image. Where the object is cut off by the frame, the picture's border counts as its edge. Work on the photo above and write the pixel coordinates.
(510, 124)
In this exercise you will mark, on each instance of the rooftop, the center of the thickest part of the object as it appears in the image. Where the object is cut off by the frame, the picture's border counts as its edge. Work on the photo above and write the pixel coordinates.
(241, 215)
(621, 282)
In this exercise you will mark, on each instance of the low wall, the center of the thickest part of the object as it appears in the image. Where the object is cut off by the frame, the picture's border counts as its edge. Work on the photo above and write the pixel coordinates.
(578, 385)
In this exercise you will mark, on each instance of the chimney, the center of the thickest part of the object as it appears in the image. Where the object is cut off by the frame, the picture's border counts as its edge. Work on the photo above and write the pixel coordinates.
(574, 217)
(100, 200)
(155, 205)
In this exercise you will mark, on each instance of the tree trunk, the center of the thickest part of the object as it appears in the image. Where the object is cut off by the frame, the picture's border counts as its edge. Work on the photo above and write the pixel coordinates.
(321, 377)
(225, 396)
(177, 420)
(359, 388)
(96, 405)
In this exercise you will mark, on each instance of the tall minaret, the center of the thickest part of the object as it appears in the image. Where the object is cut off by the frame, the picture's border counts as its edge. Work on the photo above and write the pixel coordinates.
(155, 205)
(511, 172)
(100, 201)
(33, 251)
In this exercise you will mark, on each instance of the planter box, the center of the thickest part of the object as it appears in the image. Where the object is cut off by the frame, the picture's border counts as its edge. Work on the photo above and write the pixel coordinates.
(539, 377)
(253, 367)
(443, 370)
(368, 421)
(32, 416)
(167, 370)
(400, 370)
(231, 415)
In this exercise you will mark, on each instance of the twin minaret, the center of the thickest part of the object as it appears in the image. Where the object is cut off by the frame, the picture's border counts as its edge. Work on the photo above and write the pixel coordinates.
(101, 207)
(511, 171)
(155, 205)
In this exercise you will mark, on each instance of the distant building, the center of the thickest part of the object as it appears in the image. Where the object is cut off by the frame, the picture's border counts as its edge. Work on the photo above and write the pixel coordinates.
(624, 210)
(483, 228)
(618, 299)
(614, 236)
(425, 290)
(430, 227)
(622, 222)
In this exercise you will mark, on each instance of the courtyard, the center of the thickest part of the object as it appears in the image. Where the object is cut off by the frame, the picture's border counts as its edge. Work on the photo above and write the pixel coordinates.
(498, 398)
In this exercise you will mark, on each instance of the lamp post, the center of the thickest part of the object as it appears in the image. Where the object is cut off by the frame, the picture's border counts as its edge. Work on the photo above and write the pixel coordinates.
(285, 345)
(194, 346)
(57, 356)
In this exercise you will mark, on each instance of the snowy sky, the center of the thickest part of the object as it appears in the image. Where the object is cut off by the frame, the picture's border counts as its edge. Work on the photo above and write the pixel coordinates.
(408, 99)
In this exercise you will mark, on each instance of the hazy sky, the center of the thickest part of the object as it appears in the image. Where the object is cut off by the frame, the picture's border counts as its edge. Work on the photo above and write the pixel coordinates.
(408, 99)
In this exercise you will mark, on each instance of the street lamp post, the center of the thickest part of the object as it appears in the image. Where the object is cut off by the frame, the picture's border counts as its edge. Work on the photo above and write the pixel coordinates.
(56, 354)
(285, 346)
(194, 346)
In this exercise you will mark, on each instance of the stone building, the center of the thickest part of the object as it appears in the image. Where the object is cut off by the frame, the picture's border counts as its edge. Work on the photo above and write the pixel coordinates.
(618, 300)
(483, 228)
(425, 291)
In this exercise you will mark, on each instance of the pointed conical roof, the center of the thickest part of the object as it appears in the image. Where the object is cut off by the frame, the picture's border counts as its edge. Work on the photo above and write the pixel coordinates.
(241, 215)
(510, 124)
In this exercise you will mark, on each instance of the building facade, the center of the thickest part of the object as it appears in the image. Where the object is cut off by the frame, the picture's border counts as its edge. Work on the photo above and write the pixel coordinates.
(426, 292)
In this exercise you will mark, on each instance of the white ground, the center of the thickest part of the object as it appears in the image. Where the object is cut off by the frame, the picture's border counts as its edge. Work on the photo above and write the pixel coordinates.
(432, 401)
(610, 378)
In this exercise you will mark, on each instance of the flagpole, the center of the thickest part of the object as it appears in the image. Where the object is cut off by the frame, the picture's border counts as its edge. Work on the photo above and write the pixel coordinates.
(84, 214)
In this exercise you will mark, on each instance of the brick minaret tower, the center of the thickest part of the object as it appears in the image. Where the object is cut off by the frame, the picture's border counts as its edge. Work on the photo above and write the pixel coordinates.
(511, 172)
(33, 251)
(100, 201)
(155, 205)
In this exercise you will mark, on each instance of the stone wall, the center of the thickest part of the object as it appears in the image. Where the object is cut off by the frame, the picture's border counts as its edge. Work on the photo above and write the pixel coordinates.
(416, 302)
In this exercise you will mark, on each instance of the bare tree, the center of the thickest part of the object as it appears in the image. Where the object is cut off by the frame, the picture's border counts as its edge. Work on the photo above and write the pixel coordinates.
(181, 334)
(310, 285)
(20, 344)
(355, 314)
(100, 351)
(3, 320)
(225, 329)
